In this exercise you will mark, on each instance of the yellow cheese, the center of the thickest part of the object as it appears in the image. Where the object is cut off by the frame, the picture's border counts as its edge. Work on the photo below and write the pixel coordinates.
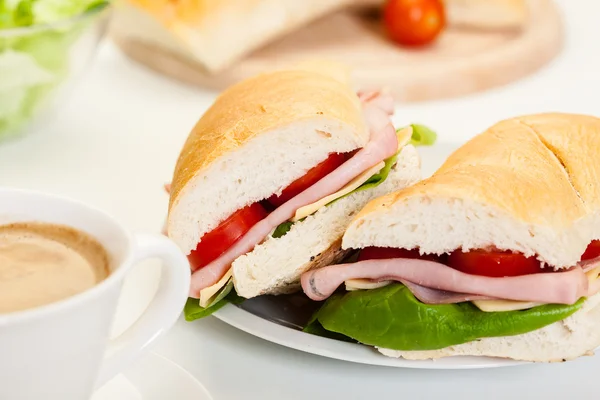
(208, 294)
(359, 284)
(511, 305)
(404, 135)
(593, 274)
(350, 186)
(504, 305)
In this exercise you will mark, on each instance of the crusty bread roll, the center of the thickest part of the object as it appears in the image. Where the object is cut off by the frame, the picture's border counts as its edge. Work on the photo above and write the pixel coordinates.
(258, 137)
(214, 33)
(504, 188)
(275, 266)
(529, 184)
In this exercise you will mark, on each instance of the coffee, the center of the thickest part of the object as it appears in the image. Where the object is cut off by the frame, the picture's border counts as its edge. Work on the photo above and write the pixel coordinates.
(42, 263)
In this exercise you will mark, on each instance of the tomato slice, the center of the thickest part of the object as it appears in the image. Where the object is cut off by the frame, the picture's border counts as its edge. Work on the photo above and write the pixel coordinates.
(493, 263)
(592, 251)
(310, 178)
(380, 253)
(475, 262)
(217, 241)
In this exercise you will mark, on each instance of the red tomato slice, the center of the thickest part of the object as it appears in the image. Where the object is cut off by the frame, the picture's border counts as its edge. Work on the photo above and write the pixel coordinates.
(380, 253)
(217, 241)
(414, 22)
(493, 263)
(592, 251)
(310, 178)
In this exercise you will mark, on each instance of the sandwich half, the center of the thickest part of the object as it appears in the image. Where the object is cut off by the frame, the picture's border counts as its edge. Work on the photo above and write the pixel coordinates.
(272, 174)
(496, 254)
(213, 33)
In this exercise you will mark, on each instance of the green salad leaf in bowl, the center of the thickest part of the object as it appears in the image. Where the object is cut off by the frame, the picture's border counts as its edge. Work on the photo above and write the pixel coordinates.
(44, 46)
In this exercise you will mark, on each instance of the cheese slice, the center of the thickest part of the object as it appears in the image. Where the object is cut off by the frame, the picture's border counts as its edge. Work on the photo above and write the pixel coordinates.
(208, 294)
(404, 135)
(504, 305)
(360, 284)
(593, 274)
(511, 305)
(350, 186)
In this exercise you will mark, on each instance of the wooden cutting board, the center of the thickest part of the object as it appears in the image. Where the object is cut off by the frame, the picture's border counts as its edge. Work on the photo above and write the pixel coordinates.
(462, 61)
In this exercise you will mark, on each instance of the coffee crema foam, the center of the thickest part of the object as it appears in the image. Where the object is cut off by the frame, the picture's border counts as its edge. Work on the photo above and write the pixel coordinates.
(41, 263)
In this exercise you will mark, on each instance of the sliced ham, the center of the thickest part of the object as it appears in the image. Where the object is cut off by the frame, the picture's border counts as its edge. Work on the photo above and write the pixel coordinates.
(552, 287)
(589, 265)
(436, 296)
(382, 100)
(382, 144)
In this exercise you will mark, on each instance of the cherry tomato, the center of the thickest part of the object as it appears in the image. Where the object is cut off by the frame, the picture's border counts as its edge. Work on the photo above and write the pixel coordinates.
(310, 178)
(379, 253)
(414, 22)
(217, 241)
(592, 251)
(494, 263)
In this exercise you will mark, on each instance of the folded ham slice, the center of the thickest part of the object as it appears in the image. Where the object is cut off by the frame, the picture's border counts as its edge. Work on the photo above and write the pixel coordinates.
(589, 265)
(436, 296)
(383, 144)
(551, 287)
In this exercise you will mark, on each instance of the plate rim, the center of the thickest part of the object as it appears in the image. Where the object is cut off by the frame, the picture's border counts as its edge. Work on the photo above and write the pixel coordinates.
(338, 350)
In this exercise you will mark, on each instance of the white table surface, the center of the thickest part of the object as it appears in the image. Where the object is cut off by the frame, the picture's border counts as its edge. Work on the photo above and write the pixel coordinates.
(116, 141)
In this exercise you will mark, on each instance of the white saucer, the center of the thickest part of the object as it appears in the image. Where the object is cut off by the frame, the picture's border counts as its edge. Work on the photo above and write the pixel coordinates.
(153, 377)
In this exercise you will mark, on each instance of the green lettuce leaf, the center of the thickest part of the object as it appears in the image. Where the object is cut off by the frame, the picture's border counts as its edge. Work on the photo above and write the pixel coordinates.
(48, 11)
(19, 13)
(391, 317)
(282, 229)
(33, 63)
(226, 295)
(23, 13)
(314, 327)
(422, 136)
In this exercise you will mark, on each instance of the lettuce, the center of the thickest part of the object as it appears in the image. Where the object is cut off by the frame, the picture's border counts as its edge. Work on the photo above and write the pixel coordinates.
(422, 136)
(33, 62)
(391, 317)
(282, 229)
(227, 294)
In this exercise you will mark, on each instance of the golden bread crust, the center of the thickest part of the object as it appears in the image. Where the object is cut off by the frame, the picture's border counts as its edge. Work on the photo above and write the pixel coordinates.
(575, 140)
(262, 104)
(509, 167)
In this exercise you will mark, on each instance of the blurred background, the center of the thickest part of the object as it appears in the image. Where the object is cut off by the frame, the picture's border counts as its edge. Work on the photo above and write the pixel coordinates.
(420, 50)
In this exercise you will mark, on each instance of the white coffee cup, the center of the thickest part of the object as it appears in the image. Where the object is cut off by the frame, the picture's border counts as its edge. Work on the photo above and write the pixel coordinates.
(62, 350)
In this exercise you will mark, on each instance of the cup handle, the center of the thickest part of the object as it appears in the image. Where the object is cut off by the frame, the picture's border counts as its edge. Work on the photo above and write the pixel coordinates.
(163, 311)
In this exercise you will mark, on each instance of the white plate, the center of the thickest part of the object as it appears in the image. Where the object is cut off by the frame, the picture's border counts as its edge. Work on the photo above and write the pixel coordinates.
(276, 332)
(154, 377)
(278, 319)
